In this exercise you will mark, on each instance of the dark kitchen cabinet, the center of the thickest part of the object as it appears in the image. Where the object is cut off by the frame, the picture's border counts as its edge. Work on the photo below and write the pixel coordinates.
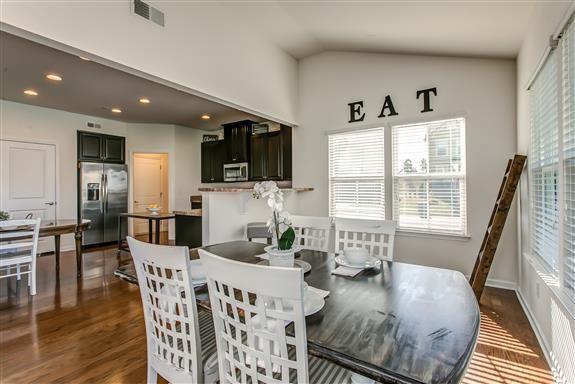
(213, 157)
(97, 147)
(271, 155)
(237, 141)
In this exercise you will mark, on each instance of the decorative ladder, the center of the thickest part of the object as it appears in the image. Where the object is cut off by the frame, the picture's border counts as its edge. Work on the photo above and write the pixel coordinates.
(496, 223)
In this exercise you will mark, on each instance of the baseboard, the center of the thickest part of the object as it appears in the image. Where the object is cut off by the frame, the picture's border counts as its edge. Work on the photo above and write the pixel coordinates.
(503, 284)
(537, 330)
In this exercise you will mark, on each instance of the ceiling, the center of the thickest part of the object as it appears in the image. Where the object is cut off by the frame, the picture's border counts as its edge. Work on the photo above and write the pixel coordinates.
(438, 27)
(94, 89)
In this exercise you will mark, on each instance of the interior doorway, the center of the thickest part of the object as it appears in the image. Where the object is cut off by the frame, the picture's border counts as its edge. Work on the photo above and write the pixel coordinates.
(150, 187)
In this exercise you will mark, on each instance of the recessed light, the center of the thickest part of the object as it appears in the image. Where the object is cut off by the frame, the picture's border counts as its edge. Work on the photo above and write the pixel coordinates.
(206, 117)
(30, 92)
(53, 76)
(116, 110)
(144, 100)
(84, 58)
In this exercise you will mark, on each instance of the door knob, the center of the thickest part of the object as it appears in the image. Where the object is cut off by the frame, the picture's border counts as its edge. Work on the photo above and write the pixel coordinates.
(136, 202)
(50, 203)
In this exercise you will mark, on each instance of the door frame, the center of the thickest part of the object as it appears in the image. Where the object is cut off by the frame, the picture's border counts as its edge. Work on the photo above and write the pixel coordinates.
(32, 140)
(166, 194)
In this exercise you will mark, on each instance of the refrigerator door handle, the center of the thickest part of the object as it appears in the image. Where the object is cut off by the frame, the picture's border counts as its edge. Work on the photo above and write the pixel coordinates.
(106, 195)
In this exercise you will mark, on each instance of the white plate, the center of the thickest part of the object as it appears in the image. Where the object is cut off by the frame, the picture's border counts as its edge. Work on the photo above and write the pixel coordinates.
(371, 262)
(313, 303)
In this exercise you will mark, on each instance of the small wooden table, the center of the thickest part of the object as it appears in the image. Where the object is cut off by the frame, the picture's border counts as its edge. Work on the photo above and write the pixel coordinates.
(158, 217)
(401, 323)
(61, 227)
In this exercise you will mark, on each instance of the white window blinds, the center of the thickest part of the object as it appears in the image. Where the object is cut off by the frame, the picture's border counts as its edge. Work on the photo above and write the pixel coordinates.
(568, 72)
(544, 163)
(429, 176)
(356, 174)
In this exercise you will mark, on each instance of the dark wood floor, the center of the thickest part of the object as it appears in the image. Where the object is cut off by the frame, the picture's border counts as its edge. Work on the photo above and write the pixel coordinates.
(92, 330)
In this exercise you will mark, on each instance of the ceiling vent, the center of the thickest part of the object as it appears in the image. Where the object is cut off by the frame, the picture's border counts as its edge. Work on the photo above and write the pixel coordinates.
(148, 12)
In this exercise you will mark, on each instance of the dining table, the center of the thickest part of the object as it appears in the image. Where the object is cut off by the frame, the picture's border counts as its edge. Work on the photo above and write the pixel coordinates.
(396, 323)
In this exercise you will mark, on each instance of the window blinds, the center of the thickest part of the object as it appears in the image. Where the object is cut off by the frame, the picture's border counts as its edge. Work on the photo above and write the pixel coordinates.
(356, 174)
(429, 176)
(544, 163)
(568, 115)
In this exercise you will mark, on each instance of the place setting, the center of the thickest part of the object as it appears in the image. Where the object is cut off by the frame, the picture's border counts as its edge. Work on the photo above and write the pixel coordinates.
(352, 261)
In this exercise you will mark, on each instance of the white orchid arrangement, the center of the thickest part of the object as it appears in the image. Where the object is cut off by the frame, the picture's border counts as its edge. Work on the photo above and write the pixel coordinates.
(279, 223)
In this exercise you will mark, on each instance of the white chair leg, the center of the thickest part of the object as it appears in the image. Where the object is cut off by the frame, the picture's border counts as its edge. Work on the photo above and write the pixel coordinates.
(32, 281)
(152, 376)
(18, 276)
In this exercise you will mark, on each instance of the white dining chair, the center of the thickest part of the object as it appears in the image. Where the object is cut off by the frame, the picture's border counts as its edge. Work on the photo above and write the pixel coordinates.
(312, 232)
(18, 248)
(376, 236)
(180, 339)
(251, 306)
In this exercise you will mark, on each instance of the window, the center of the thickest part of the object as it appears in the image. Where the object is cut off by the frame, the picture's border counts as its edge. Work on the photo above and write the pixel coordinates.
(356, 174)
(429, 176)
(552, 163)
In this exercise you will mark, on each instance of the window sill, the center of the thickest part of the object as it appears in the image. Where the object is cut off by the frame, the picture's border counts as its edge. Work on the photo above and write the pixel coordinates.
(551, 281)
(432, 235)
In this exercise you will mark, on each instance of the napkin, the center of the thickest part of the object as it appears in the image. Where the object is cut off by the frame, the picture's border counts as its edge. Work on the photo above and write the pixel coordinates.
(320, 292)
(346, 271)
(264, 256)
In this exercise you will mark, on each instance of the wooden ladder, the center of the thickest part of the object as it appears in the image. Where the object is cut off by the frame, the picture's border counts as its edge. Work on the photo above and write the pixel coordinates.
(496, 223)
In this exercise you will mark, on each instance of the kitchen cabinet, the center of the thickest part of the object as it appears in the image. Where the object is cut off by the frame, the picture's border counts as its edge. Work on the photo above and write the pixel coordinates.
(271, 157)
(96, 147)
(237, 141)
(213, 157)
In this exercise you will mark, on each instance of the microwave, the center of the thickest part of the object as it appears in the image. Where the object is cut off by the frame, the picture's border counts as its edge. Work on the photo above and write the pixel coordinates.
(236, 172)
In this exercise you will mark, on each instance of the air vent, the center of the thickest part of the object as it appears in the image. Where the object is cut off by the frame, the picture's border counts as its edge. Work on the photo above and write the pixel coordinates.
(148, 12)
(93, 125)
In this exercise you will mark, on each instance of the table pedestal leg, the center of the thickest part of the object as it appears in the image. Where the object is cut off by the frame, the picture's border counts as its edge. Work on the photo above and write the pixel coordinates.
(157, 231)
(149, 230)
(57, 252)
(78, 238)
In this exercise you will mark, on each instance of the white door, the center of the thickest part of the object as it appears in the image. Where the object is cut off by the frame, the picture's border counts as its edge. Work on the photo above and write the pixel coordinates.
(147, 187)
(28, 188)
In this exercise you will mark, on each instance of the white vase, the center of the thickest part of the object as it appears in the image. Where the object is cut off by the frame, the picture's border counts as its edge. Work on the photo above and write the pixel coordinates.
(280, 258)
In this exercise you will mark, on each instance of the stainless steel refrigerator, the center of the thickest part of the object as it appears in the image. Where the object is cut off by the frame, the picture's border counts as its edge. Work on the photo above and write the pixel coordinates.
(103, 195)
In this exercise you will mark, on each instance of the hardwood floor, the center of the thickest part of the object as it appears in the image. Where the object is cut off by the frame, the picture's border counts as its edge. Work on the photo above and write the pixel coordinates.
(92, 330)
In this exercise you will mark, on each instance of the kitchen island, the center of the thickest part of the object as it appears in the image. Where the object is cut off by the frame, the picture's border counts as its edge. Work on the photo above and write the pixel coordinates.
(226, 210)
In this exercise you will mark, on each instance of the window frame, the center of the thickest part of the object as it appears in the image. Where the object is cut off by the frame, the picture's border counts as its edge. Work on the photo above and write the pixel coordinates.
(462, 176)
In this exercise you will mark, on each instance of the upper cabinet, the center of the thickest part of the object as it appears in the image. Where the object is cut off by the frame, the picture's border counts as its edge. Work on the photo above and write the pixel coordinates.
(101, 148)
(213, 155)
(271, 155)
(237, 141)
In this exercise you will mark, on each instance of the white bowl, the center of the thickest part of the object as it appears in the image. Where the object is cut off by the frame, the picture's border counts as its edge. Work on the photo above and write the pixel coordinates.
(153, 210)
(356, 256)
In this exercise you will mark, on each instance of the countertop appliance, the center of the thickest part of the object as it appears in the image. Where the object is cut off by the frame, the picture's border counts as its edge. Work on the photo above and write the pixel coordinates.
(236, 172)
(102, 196)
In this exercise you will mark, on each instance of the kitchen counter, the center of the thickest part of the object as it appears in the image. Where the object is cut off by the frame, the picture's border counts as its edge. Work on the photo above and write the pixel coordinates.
(242, 189)
(190, 212)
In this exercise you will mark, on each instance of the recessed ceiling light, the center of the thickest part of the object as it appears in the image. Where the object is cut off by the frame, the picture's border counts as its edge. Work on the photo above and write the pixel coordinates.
(30, 92)
(206, 117)
(144, 100)
(53, 76)
(116, 110)
(84, 58)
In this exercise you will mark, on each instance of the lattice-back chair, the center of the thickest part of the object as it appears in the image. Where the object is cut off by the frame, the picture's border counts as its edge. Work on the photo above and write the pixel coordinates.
(251, 306)
(18, 248)
(173, 325)
(376, 236)
(312, 232)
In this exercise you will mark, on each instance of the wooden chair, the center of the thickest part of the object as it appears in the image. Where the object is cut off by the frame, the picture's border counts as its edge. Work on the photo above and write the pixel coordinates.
(374, 235)
(312, 232)
(173, 323)
(18, 248)
(251, 306)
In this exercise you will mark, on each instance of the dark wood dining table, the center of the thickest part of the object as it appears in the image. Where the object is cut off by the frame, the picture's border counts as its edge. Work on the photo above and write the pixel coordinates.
(60, 227)
(151, 217)
(399, 323)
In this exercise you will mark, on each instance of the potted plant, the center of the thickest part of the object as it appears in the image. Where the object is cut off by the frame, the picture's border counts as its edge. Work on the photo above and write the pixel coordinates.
(4, 216)
(279, 224)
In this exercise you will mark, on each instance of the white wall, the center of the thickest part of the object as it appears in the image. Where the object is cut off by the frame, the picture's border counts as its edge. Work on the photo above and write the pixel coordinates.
(204, 46)
(481, 90)
(554, 325)
(21, 121)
